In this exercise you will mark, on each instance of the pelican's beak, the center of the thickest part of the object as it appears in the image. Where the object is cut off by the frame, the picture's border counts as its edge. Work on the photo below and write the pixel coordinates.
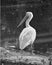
(23, 20)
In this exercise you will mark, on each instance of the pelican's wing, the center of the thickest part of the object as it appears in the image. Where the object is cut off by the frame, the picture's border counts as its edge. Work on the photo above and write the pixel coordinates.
(25, 39)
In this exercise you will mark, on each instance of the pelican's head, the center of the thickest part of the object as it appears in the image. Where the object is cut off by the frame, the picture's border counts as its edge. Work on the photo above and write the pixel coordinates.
(27, 18)
(30, 14)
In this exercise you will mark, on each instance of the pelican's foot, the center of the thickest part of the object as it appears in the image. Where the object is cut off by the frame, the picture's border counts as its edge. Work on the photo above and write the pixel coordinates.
(32, 52)
(21, 51)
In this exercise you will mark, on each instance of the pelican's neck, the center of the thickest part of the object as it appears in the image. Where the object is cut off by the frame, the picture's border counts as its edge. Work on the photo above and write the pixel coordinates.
(28, 21)
(27, 18)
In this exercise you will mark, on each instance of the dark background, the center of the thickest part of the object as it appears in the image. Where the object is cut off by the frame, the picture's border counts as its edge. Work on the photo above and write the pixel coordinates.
(13, 11)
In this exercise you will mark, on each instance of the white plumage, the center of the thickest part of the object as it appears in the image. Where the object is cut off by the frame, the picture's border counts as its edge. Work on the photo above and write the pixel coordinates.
(28, 34)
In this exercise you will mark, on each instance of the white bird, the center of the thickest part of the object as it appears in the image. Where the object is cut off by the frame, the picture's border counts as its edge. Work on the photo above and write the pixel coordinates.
(28, 34)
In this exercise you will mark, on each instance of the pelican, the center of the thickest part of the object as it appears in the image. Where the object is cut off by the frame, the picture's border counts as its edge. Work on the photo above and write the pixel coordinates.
(28, 34)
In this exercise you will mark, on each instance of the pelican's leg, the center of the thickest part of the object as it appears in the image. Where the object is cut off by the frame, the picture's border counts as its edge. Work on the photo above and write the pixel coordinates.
(32, 49)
